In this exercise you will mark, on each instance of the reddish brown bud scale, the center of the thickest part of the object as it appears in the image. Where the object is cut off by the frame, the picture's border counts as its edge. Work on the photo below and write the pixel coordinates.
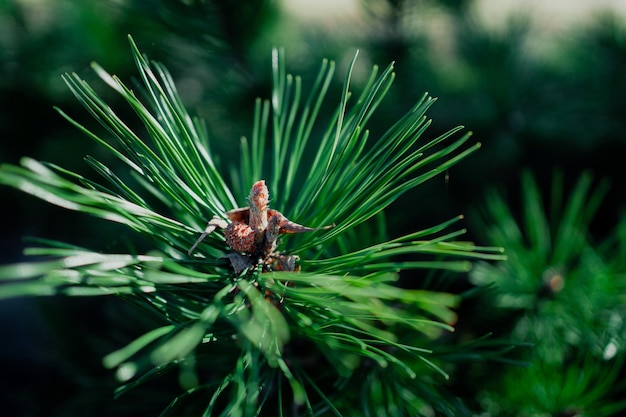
(239, 215)
(271, 233)
(240, 237)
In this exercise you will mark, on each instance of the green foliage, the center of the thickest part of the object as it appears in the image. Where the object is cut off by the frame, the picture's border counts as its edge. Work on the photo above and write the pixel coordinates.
(535, 101)
(243, 339)
(567, 295)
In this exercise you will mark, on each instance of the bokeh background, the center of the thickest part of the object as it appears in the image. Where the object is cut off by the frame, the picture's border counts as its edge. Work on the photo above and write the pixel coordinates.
(541, 85)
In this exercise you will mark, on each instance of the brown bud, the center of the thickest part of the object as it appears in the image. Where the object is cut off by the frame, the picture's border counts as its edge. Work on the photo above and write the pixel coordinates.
(259, 198)
(240, 237)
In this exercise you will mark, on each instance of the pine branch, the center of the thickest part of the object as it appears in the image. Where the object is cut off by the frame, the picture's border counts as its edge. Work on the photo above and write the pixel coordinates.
(342, 305)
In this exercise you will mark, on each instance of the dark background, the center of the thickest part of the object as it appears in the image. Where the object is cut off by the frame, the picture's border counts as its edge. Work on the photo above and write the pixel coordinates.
(540, 92)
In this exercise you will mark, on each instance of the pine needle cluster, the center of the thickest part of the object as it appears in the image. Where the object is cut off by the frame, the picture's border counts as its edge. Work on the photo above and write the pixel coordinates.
(335, 334)
(563, 293)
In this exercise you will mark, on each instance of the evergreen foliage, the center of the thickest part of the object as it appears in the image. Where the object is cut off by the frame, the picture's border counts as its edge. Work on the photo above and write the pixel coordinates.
(536, 99)
(318, 341)
(567, 298)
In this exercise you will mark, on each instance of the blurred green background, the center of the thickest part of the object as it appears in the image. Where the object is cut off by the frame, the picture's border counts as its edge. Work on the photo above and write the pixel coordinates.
(541, 85)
